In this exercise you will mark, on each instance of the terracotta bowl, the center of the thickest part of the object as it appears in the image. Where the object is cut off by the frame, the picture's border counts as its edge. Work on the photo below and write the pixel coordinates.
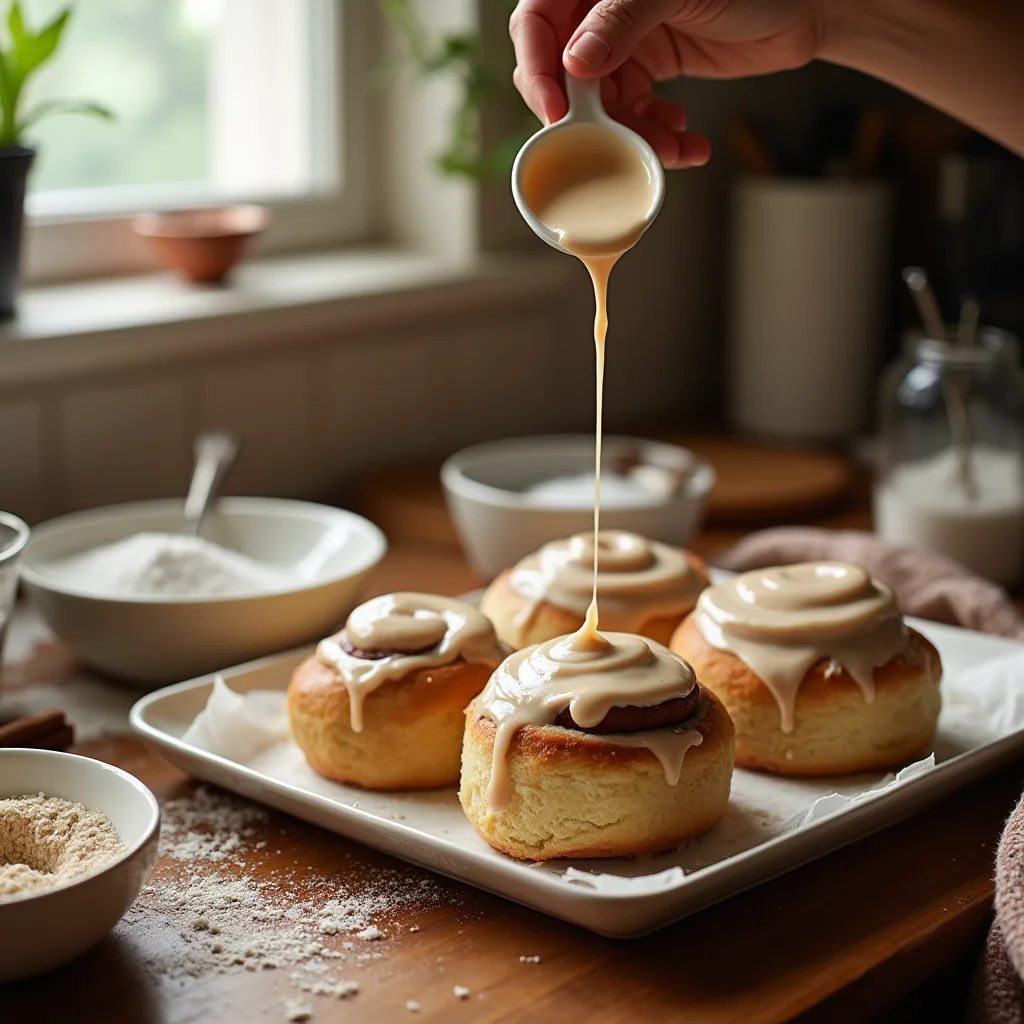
(202, 245)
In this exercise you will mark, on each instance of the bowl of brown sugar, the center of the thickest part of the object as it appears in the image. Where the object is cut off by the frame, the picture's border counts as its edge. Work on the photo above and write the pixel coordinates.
(77, 841)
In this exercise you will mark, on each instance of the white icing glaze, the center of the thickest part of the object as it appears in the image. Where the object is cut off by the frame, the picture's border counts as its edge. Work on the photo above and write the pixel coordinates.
(782, 621)
(638, 579)
(596, 194)
(418, 630)
(591, 188)
(589, 675)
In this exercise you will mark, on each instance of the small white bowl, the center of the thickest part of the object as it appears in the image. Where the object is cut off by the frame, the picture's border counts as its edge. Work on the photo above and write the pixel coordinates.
(152, 641)
(44, 930)
(498, 524)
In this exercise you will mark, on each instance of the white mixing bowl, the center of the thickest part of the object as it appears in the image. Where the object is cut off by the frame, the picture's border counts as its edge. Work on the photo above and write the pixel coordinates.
(498, 523)
(44, 930)
(154, 640)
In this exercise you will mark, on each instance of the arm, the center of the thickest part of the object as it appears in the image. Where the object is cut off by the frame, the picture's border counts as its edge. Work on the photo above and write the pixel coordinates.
(965, 57)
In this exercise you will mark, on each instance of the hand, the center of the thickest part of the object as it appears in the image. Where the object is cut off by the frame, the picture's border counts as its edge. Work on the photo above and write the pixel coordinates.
(631, 44)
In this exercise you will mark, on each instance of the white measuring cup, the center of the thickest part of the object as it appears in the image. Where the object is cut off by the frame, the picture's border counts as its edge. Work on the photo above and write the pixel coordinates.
(585, 107)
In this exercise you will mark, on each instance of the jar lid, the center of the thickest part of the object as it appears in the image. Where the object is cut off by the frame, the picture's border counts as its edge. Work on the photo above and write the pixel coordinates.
(991, 344)
(955, 357)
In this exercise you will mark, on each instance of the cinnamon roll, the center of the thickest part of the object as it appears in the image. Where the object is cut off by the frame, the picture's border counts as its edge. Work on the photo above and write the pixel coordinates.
(644, 587)
(381, 704)
(594, 745)
(817, 669)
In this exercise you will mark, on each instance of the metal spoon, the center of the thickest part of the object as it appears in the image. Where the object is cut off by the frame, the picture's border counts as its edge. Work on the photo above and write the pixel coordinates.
(916, 279)
(967, 329)
(215, 451)
(585, 107)
(966, 336)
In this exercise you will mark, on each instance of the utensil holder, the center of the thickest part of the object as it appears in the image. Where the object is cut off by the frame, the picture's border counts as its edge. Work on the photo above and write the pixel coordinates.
(810, 262)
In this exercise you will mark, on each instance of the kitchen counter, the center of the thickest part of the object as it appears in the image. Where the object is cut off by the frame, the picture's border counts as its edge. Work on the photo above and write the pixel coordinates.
(847, 937)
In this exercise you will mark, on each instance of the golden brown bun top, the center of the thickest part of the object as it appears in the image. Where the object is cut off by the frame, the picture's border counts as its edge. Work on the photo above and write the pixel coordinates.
(638, 579)
(389, 637)
(593, 677)
(783, 620)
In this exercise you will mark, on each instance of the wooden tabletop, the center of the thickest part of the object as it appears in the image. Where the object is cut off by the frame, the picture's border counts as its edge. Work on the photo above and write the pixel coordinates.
(839, 939)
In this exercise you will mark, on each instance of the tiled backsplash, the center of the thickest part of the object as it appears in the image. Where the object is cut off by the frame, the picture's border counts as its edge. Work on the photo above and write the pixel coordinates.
(314, 410)
(21, 458)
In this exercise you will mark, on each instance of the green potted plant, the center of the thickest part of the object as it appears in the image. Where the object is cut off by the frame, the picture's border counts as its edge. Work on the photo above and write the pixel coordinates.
(464, 57)
(22, 54)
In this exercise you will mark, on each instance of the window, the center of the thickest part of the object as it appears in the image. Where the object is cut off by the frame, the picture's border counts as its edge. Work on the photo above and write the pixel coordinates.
(216, 101)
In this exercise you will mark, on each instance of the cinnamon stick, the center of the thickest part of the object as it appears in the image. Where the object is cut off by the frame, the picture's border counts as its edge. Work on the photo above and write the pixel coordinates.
(59, 739)
(47, 730)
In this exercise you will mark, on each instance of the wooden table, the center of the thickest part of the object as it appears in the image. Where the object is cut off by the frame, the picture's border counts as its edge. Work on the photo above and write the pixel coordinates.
(849, 937)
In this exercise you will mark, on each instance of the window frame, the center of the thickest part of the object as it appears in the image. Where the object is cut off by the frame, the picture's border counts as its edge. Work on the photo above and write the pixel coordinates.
(347, 41)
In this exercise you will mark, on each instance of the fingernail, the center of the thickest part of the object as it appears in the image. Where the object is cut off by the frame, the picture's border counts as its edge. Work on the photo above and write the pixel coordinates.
(590, 50)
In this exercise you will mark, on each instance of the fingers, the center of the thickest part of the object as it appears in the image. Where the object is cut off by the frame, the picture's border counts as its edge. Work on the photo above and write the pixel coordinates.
(610, 32)
(628, 98)
(634, 85)
(670, 115)
(658, 124)
(538, 28)
(694, 150)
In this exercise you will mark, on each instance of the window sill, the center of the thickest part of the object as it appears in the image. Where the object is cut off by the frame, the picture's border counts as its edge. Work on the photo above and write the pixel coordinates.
(116, 323)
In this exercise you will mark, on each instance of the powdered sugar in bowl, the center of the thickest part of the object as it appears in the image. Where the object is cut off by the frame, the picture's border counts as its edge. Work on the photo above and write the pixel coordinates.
(133, 598)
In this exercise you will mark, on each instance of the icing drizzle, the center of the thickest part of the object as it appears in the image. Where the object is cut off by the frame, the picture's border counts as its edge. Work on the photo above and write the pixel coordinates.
(638, 579)
(534, 685)
(782, 621)
(415, 631)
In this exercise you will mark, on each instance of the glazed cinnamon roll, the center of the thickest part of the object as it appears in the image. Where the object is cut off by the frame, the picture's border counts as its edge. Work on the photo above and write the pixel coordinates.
(594, 745)
(381, 704)
(644, 587)
(817, 669)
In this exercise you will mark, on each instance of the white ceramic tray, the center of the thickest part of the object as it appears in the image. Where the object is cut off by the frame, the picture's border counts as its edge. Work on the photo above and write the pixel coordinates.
(756, 841)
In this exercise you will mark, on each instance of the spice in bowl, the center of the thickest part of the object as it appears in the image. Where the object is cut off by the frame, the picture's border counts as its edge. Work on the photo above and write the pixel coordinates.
(48, 841)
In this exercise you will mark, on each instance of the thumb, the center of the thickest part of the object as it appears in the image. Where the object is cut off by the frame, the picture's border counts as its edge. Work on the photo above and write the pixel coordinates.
(611, 32)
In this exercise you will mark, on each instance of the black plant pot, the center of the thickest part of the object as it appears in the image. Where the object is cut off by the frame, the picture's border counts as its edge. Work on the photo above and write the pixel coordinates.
(15, 163)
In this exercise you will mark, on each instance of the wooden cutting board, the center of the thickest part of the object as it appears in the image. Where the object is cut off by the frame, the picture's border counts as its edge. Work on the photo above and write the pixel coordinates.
(407, 503)
(756, 485)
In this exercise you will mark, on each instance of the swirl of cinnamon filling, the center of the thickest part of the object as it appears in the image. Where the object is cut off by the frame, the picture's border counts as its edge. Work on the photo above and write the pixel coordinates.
(388, 637)
(593, 683)
(637, 580)
(782, 621)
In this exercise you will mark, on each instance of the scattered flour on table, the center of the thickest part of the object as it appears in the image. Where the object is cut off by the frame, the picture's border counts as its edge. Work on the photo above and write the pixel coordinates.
(165, 564)
(207, 826)
(208, 911)
(47, 841)
(297, 1010)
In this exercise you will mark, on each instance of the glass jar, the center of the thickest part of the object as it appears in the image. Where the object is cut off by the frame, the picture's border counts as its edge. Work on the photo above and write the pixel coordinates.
(950, 471)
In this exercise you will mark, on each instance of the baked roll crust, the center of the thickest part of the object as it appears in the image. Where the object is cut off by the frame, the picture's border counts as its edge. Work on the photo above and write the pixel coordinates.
(381, 704)
(644, 587)
(574, 794)
(836, 731)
